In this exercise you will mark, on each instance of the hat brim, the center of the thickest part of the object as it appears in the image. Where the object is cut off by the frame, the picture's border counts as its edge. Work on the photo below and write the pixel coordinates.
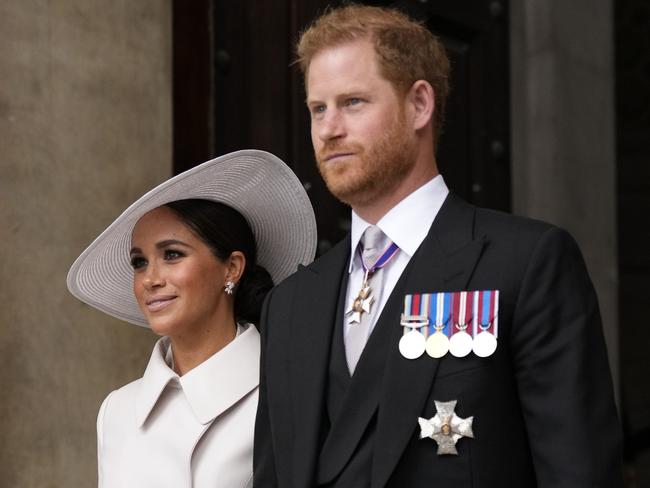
(256, 183)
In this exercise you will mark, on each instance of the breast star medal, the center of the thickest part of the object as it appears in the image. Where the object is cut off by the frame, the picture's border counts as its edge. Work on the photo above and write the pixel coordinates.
(446, 428)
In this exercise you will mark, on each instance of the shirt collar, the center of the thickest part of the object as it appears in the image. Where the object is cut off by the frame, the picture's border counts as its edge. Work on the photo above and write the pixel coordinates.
(408, 222)
(210, 388)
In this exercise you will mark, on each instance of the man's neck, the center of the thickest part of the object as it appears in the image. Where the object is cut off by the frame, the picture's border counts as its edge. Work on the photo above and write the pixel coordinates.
(375, 210)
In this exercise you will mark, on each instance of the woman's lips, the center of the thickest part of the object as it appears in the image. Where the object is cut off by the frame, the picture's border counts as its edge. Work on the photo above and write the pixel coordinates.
(159, 303)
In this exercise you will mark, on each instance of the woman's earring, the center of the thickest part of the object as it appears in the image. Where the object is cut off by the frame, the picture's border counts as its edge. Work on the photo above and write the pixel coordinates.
(230, 286)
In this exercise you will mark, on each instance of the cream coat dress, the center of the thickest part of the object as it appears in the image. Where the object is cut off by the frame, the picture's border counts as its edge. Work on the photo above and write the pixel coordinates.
(191, 431)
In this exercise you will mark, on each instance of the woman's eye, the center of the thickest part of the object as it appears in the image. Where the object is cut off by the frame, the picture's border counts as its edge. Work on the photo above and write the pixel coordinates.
(171, 254)
(138, 262)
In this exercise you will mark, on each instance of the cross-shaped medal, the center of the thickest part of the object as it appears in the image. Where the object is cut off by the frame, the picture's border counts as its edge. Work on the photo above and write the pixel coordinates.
(362, 303)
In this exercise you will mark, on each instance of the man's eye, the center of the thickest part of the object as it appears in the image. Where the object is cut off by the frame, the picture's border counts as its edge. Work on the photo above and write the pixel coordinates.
(318, 109)
(354, 101)
(138, 262)
(171, 254)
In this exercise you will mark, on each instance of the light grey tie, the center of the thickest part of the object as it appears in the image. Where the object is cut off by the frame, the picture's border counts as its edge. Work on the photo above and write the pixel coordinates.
(374, 242)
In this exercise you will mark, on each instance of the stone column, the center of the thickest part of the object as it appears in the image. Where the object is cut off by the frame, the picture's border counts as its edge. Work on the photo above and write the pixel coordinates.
(563, 132)
(85, 128)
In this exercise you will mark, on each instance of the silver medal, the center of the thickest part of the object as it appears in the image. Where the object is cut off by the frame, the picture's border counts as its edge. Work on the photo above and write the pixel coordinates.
(485, 343)
(412, 344)
(460, 344)
(446, 428)
(437, 344)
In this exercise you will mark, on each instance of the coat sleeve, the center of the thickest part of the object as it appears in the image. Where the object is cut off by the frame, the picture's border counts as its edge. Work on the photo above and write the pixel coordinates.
(264, 470)
(562, 371)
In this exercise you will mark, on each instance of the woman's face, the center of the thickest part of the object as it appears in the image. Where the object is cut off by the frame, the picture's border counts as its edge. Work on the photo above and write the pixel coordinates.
(177, 280)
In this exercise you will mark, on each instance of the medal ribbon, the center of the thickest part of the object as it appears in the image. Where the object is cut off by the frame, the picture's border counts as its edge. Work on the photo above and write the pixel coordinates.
(489, 309)
(448, 307)
(469, 309)
(457, 300)
(383, 260)
(416, 304)
(448, 311)
(494, 312)
(439, 312)
(435, 306)
(464, 311)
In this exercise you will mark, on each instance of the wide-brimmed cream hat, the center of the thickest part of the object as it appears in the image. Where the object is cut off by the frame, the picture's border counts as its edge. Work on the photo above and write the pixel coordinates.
(256, 183)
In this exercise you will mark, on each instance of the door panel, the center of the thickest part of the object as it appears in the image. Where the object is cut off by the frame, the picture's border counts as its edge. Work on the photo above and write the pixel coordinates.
(235, 87)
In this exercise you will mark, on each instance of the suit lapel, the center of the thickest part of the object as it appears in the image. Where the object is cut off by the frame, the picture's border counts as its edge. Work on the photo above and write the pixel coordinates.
(312, 325)
(444, 262)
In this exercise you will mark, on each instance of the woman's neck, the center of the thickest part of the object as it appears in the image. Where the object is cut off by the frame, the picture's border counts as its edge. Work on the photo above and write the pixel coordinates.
(189, 351)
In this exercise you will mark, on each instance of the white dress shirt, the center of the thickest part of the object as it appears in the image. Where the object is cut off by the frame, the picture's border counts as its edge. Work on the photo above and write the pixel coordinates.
(406, 224)
(195, 430)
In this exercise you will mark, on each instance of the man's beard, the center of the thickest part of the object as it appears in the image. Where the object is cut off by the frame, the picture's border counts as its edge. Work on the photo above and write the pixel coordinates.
(374, 170)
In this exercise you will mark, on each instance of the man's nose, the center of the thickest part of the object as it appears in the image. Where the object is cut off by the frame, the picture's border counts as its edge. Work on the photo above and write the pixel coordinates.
(331, 126)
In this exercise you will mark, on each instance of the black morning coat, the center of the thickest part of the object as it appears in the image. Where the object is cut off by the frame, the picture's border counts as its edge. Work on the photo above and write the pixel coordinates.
(543, 408)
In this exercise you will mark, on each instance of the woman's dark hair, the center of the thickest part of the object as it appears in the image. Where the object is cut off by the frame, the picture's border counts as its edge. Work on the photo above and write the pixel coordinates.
(224, 230)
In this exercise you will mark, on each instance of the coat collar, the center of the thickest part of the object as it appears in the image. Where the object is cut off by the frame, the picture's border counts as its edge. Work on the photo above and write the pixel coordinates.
(210, 388)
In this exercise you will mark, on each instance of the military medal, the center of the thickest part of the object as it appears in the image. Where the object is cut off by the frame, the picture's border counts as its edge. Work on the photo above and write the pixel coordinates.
(460, 344)
(412, 343)
(487, 323)
(415, 319)
(364, 301)
(446, 428)
(438, 343)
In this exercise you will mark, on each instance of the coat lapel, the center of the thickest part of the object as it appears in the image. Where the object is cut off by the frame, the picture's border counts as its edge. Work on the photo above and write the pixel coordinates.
(444, 262)
(312, 325)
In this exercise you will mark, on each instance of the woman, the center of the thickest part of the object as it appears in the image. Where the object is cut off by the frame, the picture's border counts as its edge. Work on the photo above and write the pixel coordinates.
(183, 260)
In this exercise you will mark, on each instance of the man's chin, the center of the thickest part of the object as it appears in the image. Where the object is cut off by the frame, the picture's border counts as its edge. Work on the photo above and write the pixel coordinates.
(352, 195)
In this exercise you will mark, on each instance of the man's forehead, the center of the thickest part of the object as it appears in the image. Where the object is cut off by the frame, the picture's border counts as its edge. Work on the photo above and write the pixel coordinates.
(349, 67)
(353, 47)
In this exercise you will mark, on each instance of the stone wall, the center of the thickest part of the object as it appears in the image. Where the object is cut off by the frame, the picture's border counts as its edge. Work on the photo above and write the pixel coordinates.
(85, 128)
(563, 135)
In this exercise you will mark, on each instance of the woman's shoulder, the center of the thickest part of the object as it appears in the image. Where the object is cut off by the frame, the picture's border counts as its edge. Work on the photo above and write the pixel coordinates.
(126, 396)
(126, 393)
(116, 414)
(118, 405)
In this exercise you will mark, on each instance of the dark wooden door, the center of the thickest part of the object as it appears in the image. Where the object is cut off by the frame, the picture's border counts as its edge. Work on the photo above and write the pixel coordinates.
(235, 88)
(632, 22)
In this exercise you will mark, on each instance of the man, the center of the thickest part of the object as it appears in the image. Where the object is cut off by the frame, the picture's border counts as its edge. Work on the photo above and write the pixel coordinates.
(439, 345)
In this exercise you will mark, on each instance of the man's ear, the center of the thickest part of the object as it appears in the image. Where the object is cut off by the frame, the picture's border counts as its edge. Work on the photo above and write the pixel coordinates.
(422, 100)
